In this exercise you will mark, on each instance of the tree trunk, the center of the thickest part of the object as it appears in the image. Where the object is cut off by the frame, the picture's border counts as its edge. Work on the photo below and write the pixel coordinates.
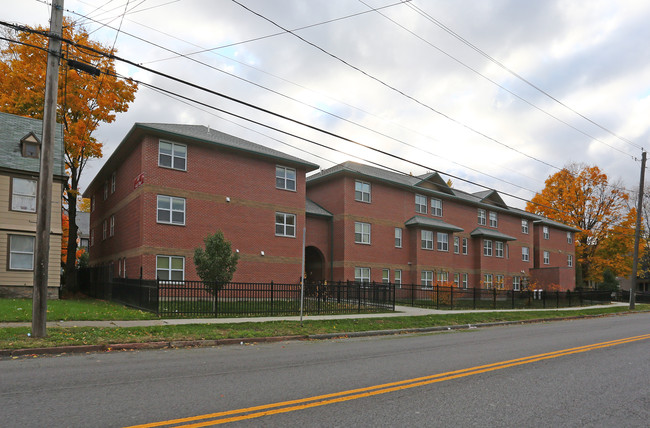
(71, 285)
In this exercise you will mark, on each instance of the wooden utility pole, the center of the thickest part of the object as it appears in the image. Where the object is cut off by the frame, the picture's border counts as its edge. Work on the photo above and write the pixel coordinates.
(44, 192)
(637, 233)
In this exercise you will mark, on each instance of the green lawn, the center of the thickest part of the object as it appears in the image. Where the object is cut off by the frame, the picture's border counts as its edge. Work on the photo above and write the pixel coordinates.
(70, 310)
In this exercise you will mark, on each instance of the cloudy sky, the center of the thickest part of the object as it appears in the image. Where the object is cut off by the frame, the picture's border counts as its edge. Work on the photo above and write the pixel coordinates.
(497, 92)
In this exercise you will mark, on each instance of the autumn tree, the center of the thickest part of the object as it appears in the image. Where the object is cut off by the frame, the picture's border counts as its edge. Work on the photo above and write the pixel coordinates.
(582, 196)
(84, 101)
(217, 264)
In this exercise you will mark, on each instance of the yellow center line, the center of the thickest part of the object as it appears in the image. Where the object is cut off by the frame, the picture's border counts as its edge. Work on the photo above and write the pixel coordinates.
(338, 397)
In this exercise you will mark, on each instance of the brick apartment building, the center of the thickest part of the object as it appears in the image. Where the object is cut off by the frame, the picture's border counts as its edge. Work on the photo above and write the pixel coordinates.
(167, 186)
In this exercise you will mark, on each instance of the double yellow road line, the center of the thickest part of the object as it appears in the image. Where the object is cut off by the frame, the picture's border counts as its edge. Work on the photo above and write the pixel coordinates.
(353, 394)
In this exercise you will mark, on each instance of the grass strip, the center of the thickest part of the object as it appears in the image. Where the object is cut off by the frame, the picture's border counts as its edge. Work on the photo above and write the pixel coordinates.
(20, 310)
(17, 337)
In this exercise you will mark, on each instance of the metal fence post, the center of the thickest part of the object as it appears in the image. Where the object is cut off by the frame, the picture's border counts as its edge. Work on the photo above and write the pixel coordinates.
(272, 308)
(568, 296)
(216, 299)
(513, 298)
(158, 294)
(359, 297)
(474, 297)
(437, 296)
(494, 297)
(557, 298)
(451, 297)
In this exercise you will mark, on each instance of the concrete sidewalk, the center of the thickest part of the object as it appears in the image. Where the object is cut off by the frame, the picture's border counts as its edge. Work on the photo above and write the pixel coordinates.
(400, 311)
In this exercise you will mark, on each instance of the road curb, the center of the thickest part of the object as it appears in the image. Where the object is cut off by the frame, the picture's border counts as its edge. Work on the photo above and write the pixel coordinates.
(81, 349)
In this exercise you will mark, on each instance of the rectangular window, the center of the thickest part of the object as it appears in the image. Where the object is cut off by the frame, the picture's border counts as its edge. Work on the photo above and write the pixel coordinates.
(104, 227)
(443, 241)
(427, 279)
(113, 181)
(499, 282)
(456, 279)
(398, 277)
(21, 252)
(92, 237)
(105, 190)
(481, 217)
(92, 204)
(569, 238)
(361, 191)
(498, 249)
(23, 195)
(420, 204)
(545, 230)
(436, 207)
(456, 245)
(524, 226)
(516, 283)
(112, 226)
(465, 246)
(172, 155)
(385, 276)
(170, 268)
(398, 237)
(569, 260)
(487, 280)
(465, 283)
(362, 275)
(525, 256)
(427, 239)
(285, 178)
(443, 278)
(171, 210)
(547, 257)
(494, 222)
(487, 247)
(361, 233)
(285, 225)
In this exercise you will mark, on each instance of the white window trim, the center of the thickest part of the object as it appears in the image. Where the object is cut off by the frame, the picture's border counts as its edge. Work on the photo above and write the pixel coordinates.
(173, 155)
(482, 217)
(398, 237)
(362, 192)
(170, 270)
(285, 179)
(362, 233)
(442, 241)
(465, 281)
(171, 210)
(498, 249)
(493, 219)
(569, 260)
(385, 276)
(525, 255)
(547, 257)
(524, 227)
(516, 283)
(285, 226)
(456, 245)
(487, 248)
(111, 231)
(424, 279)
(424, 243)
(113, 181)
(465, 246)
(419, 206)
(436, 210)
(398, 277)
(546, 232)
(16, 252)
(359, 275)
(23, 195)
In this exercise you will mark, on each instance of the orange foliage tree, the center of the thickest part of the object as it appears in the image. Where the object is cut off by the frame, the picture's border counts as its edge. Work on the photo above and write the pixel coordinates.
(84, 101)
(581, 196)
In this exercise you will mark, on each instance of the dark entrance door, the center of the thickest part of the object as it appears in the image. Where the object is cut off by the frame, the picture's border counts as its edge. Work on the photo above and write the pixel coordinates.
(314, 264)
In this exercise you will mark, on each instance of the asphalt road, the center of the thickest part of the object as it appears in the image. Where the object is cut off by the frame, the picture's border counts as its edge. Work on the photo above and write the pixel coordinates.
(501, 376)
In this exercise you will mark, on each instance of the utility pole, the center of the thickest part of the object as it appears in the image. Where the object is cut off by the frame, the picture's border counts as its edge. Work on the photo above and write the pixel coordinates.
(44, 192)
(637, 233)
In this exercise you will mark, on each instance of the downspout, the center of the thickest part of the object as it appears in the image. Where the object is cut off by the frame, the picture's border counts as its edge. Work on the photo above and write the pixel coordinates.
(331, 248)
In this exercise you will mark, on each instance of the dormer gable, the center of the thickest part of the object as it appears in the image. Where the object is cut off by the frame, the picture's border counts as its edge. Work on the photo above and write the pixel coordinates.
(491, 197)
(433, 181)
(30, 146)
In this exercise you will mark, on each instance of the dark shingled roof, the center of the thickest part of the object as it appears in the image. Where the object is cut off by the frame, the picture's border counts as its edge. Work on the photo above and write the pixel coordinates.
(13, 129)
(432, 223)
(312, 208)
(492, 234)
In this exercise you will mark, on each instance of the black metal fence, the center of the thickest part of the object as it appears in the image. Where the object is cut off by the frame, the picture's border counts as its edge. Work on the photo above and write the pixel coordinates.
(445, 297)
(198, 299)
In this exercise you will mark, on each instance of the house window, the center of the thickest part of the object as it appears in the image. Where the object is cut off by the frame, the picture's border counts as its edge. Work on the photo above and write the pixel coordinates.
(487, 247)
(465, 246)
(465, 284)
(456, 245)
(499, 282)
(285, 225)
(104, 227)
(569, 260)
(569, 238)
(113, 179)
(547, 257)
(524, 226)
(398, 237)
(487, 280)
(92, 237)
(21, 252)
(545, 230)
(23, 195)
(420, 204)
(427, 279)
(112, 226)
(385, 276)
(498, 249)
(92, 204)
(436, 207)
(516, 283)
(285, 178)
(443, 278)
(457, 279)
(171, 210)
(443, 241)
(105, 190)
(494, 222)
(361, 233)
(481, 217)
(83, 243)
(124, 267)
(30, 150)
(398, 277)
(170, 268)
(362, 275)
(525, 256)
(427, 240)
(361, 191)
(172, 155)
